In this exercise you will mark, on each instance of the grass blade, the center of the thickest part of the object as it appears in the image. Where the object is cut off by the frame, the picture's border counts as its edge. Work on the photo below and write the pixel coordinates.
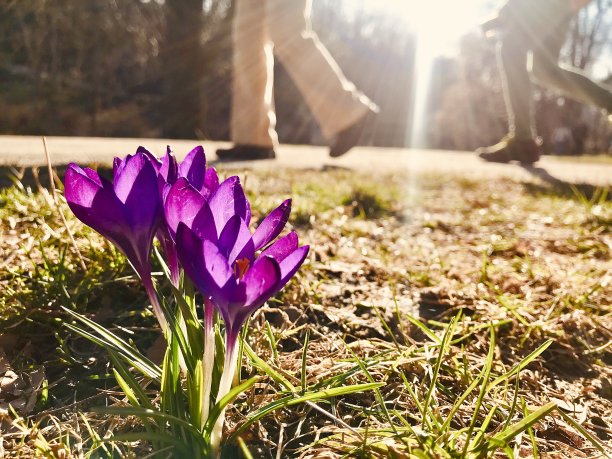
(216, 411)
(113, 342)
(584, 432)
(521, 365)
(486, 372)
(145, 413)
(290, 400)
(508, 434)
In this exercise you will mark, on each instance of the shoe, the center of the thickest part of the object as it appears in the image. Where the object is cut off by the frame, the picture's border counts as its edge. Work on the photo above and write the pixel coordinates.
(525, 151)
(356, 133)
(244, 152)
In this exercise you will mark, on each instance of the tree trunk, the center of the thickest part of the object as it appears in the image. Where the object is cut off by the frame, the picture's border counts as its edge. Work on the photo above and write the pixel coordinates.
(183, 64)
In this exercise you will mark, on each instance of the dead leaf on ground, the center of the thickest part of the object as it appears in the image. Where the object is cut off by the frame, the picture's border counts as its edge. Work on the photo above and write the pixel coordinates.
(19, 391)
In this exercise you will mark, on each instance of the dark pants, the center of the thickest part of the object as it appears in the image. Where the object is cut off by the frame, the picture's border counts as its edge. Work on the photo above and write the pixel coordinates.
(537, 29)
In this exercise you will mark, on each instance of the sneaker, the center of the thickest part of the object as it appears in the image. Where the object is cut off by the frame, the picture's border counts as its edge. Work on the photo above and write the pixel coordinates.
(359, 132)
(525, 151)
(243, 152)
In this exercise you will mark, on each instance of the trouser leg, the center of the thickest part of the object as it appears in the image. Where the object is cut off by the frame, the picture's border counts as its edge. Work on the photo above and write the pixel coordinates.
(571, 82)
(517, 88)
(333, 99)
(252, 118)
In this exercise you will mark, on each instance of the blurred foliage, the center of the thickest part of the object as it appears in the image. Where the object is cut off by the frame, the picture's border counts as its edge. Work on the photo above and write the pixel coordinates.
(163, 68)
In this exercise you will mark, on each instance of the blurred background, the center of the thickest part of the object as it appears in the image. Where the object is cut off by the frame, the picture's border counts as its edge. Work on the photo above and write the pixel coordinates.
(129, 68)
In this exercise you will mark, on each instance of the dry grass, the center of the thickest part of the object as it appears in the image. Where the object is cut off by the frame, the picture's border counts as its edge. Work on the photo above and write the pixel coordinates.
(392, 263)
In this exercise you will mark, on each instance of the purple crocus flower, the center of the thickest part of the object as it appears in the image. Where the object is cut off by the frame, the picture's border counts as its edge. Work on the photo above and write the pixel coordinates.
(220, 255)
(193, 169)
(127, 211)
(237, 281)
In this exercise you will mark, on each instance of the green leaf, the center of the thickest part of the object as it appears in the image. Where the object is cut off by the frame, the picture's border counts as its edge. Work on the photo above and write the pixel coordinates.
(244, 448)
(486, 373)
(127, 390)
(424, 329)
(216, 411)
(508, 434)
(458, 404)
(112, 342)
(444, 345)
(521, 365)
(195, 329)
(259, 363)
(145, 413)
(291, 400)
(174, 328)
(129, 379)
(162, 263)
(172, 396)
(584, 432)
(156, 437)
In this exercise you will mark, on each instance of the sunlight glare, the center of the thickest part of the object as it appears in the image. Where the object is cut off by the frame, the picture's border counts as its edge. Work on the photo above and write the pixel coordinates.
(438, 23)
(438, 26)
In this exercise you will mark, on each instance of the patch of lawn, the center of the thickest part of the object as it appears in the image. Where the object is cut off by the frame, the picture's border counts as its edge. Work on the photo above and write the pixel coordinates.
(476, 303)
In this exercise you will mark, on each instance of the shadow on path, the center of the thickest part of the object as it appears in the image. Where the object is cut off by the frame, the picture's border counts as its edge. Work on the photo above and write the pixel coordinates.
(556, 186)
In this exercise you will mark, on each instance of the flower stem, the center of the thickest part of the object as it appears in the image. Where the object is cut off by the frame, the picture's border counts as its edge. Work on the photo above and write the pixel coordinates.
(157, 309)
(209, 357)
(225, 385)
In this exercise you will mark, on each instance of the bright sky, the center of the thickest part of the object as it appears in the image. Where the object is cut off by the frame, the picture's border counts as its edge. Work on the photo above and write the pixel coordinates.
(439, 23)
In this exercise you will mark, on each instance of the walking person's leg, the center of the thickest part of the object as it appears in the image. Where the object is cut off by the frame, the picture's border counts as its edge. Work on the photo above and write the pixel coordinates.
(252, 116)
(572, 82)
(515, 28)
(340, 109)
(519, 143)
(524, 25)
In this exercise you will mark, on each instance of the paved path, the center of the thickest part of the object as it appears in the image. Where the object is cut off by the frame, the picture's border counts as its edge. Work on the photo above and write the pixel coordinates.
(28, 151)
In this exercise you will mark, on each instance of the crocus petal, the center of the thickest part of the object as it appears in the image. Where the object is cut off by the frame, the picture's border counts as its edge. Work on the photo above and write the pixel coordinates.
(261, 280)
(137, 187)
(165, 190)
(120, 164)
(282, 247)
(156, 163)
(117, 162)
(229, 200)
(216, 265)
(99, 208)
(211, 182)
(229, 234)
(93, 204)
(169, 249)
(205, 266)
(235, 240)
(169, 167)
(127, 173)
(290, 265)
(204, 224)
(182, 204)
(93, 175)
(189, 251)
(272, 225)
(193, 167)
